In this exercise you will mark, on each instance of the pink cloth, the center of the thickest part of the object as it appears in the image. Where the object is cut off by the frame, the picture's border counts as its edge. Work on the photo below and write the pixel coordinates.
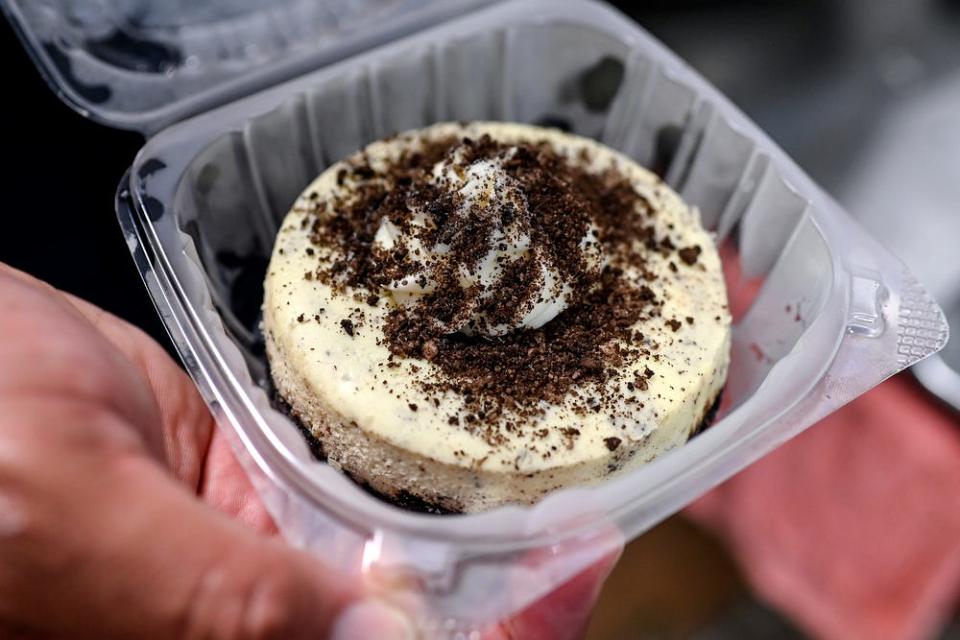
(853, 528)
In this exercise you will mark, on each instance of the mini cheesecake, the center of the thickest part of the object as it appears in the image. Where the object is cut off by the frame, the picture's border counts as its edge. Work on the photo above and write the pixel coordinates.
(473, 315)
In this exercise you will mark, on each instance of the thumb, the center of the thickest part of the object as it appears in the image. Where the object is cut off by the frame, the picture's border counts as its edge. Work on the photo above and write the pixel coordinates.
(564, 613)
(224, 581)
(127, 552)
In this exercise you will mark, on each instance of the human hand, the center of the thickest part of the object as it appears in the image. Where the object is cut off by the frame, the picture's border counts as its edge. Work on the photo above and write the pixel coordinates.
(564, 613)
(105, 446)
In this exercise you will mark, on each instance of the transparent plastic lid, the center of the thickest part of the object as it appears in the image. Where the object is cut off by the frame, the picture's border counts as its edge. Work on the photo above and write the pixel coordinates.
(143, 64)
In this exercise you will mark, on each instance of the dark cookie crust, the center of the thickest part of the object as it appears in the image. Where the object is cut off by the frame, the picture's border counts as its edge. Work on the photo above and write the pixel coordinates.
(403, 498)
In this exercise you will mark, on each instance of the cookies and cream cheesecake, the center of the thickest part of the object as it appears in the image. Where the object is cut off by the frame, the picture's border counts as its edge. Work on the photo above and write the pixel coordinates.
(471, 315)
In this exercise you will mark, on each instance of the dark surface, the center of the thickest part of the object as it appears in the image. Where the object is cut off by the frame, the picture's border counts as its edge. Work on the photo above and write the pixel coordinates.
(60, 173)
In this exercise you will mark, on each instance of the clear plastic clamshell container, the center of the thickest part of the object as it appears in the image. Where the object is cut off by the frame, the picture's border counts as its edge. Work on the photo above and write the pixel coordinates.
(243, 103)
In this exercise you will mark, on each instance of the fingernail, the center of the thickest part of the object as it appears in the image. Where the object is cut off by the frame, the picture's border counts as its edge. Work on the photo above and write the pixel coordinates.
(372, 619)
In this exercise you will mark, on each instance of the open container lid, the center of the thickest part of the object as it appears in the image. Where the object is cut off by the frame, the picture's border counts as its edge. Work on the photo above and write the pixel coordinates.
(144, 64)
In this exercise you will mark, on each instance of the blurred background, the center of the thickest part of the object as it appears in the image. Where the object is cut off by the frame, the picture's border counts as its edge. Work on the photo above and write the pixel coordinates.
(863, 94)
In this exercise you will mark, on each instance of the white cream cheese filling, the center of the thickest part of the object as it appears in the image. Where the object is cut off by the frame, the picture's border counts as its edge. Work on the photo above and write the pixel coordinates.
(376, 421)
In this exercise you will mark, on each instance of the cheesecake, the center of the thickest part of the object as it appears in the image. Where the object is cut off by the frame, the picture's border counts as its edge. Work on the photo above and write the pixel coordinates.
(477, 314)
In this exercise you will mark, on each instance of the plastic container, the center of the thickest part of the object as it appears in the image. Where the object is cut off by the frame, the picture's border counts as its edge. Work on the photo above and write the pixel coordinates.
(830, 312)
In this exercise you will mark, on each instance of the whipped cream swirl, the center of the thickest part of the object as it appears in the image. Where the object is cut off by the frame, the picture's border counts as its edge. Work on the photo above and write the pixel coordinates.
(486, 243)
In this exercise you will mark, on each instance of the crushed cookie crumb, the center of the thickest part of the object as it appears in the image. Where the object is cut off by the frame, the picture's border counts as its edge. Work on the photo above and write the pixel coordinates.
(430, 349)
(689, 255)
(505, 382)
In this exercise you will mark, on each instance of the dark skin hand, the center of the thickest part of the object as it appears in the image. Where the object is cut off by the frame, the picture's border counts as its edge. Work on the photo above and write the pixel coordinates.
(123, 512)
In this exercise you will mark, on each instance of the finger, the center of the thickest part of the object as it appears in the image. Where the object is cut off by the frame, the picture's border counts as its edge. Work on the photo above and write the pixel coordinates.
(47, 348)
(196, 452)
(225, 487)
(564, 613)
(13, 631)
(186, 424)
(116, 544)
